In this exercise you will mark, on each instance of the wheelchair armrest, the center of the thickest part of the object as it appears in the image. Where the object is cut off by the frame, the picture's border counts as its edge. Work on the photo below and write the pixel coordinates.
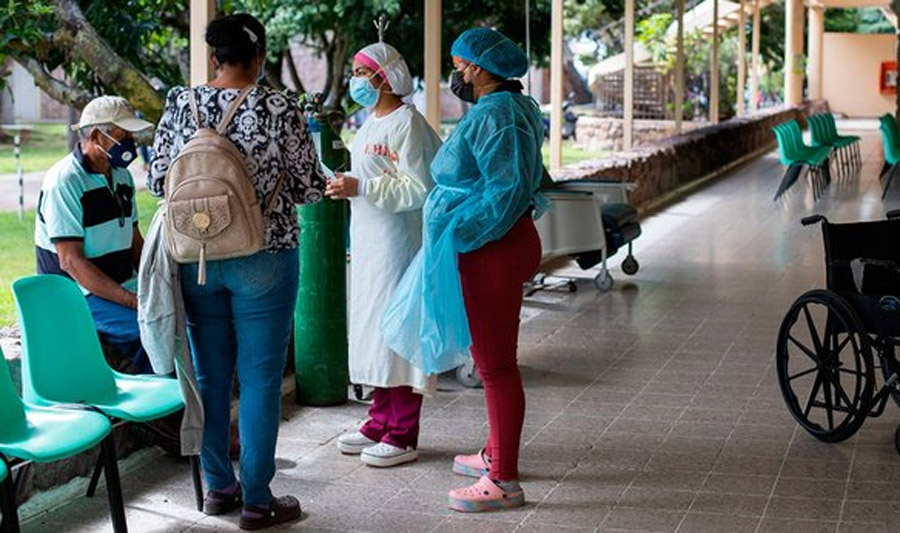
(813, 219)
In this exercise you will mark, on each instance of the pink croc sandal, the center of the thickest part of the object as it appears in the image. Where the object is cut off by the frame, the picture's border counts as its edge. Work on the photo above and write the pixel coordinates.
(484, 495)
(475, 465)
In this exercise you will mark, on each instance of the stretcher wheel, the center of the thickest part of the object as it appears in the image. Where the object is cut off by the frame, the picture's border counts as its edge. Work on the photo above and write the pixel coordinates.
(630, 265)
(467, 375)
(825, 368)
(603, 281)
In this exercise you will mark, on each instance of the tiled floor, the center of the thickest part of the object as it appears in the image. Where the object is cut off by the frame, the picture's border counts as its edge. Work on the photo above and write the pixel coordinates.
(654, 407)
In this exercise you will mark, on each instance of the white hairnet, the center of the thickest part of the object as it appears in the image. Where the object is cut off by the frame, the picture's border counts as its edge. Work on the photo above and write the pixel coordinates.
(385, 59)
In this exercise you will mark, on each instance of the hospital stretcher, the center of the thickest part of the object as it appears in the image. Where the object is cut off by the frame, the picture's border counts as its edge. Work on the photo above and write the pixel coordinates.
(589, 220)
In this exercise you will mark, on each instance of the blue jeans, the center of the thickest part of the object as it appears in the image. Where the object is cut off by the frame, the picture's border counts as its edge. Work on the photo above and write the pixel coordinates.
(118, 327)
(240, 321)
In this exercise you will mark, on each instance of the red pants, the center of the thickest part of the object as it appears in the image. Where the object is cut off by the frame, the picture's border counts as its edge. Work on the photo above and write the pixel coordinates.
(492, 279)
(394, 417)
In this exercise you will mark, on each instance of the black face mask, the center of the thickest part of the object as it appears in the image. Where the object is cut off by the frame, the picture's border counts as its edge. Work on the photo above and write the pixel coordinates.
(464, 91)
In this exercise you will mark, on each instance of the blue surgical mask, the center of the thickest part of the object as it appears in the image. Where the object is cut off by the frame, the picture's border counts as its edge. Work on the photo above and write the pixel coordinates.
(122, 152)
(362, 92)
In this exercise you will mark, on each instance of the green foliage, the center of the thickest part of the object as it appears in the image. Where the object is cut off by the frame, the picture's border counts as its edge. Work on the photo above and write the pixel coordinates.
(842, 20)
(651, 31)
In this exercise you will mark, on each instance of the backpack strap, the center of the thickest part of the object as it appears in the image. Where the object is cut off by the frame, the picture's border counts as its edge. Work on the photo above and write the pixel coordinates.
(194, 109)
(233, 109)
(271, 201)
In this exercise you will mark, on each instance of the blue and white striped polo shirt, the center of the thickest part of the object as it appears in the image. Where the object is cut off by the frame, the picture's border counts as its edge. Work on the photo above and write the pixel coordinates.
(78, 204)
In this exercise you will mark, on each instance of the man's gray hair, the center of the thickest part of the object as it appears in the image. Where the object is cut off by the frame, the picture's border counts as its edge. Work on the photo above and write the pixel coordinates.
(85, 132)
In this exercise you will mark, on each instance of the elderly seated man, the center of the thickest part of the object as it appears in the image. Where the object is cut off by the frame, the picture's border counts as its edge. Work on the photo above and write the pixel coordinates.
(87, 223)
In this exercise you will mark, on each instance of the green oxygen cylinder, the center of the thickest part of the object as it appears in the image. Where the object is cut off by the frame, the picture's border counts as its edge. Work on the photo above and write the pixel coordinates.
(320, 318)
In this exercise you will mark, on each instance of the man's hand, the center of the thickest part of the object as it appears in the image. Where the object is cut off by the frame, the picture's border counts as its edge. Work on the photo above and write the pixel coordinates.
(75, 264)
(344, 186)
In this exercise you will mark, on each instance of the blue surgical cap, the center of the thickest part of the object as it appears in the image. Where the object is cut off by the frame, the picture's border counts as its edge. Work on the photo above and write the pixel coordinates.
(492, 51)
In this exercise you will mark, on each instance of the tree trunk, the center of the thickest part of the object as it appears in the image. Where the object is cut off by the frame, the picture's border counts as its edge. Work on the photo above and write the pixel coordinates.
(292, 70)
(56, 89)
(114, 72)
(337, 65)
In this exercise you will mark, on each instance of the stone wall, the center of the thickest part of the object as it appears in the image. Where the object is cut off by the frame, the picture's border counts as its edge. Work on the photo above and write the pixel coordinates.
(662, 167)
(603, 134)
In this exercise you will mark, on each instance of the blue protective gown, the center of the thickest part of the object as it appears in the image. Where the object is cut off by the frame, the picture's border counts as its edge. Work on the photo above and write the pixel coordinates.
(487, 175)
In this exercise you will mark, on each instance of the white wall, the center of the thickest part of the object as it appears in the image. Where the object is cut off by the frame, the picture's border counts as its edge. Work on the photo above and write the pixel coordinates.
(852, 66)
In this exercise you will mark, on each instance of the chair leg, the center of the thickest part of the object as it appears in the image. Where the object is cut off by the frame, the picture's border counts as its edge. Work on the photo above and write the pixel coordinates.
(198, 481)
(887, 182)
(10, 523)
(884, 168)
(95, 476)
(791, 174)
(113, 484)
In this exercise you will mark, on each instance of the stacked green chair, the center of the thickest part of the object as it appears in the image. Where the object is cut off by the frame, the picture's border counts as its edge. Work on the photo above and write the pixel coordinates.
(63, 362)
(843, 141)
(43, 434)
(890, 137)
(823, 132)
(795, 154)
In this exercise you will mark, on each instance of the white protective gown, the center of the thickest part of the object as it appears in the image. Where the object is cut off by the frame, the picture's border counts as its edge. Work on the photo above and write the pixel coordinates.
(391, 156)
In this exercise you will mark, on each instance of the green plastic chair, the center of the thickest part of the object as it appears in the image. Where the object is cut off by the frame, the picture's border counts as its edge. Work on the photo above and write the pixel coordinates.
(890, 138)
(43, 434)
(63, 362)
(795, 154)
(10, 518)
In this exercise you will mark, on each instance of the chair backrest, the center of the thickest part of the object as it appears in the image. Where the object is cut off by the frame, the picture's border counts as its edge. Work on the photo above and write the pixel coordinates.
(795, 134)
(785, 152)
(62, 358)
(889, 141)
(830, 125)
(12, 412)
(819, 130)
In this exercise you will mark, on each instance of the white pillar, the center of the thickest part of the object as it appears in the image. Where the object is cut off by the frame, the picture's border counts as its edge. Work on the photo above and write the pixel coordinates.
(679, 66)
(201, 13)
(816, 50)
(714, 68)
(742, 60)
(433, 63)
(628, 97)
(556, 84)
(754, 59)
(793, 52)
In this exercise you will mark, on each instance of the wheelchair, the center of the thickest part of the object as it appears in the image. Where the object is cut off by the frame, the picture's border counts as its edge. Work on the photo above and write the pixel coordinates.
(833, 341)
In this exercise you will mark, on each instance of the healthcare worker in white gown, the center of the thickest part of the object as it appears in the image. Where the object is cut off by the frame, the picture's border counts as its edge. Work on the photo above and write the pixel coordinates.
(387, 187)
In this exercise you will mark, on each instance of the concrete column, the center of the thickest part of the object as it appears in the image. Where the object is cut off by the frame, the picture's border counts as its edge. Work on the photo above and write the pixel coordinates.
(556, 84)
(679, 66)
(793, 52)
(628, 97)
(754, 59)
(433, 63)
(816, 38)
(714, 68)
(742, 61)
(202, 12)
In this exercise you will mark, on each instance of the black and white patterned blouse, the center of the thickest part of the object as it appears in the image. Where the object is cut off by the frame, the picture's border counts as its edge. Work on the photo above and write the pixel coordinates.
(270, 132)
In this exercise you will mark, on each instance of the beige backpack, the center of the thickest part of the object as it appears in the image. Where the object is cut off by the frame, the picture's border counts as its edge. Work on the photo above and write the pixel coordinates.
(212, 210)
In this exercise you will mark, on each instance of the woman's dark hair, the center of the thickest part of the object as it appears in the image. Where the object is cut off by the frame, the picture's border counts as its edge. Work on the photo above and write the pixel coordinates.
(236, 39)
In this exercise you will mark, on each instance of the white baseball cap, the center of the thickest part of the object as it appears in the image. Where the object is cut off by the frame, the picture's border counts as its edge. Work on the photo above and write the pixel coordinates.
(113, 110)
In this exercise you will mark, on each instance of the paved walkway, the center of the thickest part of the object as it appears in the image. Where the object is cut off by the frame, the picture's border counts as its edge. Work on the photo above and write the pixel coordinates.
(9, 188)
(654, 407)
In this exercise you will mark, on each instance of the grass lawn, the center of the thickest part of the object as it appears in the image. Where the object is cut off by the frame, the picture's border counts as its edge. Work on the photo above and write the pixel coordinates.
(44, 146)
(17, 252)
(572, 154)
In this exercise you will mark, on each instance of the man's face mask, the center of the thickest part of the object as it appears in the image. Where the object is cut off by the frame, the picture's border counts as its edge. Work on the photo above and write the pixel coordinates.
(464, 90)
(122, 153)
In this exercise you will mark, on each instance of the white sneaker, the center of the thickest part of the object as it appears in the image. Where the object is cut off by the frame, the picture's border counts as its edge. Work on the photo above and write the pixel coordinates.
(354, 443)
(383, 455)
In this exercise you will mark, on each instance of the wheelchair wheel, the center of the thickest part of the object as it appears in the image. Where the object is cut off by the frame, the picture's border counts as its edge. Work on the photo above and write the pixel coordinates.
(890, 366)
(630, 265)
(825, 368)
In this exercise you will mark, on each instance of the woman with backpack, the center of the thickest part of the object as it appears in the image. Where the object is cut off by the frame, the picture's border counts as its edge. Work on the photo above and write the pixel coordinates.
(239, 309)
(387, 187)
